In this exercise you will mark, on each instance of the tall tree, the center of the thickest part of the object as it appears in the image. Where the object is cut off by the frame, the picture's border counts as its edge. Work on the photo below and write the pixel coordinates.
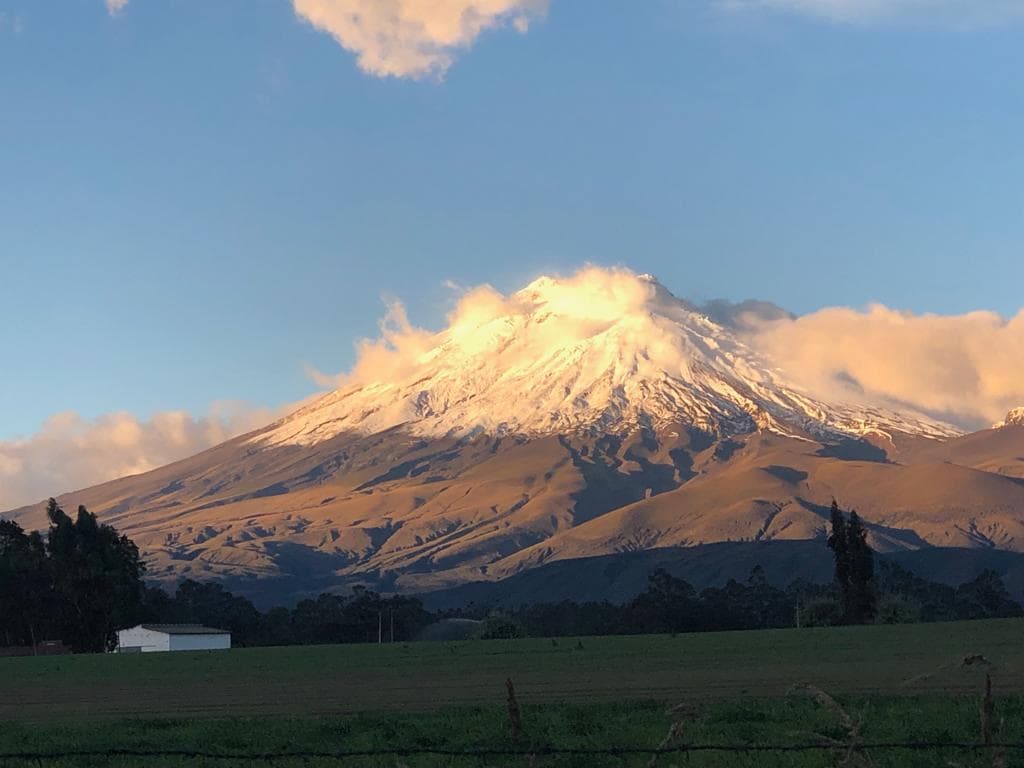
(838, 542)
(863, 604)
(26, 602)
(97, 578)
(668, 605)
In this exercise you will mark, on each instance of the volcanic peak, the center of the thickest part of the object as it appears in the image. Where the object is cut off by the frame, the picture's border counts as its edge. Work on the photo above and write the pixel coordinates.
(605, 350)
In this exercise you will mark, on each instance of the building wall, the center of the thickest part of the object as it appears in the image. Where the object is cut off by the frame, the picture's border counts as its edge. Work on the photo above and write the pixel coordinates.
(200, 642)
(144, 639)
(137, 640)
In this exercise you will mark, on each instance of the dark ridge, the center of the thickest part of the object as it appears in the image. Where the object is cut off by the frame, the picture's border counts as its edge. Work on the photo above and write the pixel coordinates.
(854, 450)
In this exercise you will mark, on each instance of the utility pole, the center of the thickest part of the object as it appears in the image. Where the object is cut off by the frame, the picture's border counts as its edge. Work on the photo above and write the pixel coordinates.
(380, 627)
(392, 624)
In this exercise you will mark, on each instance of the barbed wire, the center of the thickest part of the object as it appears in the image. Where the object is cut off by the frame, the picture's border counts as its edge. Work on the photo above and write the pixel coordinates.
(485, 752)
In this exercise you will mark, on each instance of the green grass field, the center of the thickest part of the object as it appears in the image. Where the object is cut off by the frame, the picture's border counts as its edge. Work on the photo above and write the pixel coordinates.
(904, 682)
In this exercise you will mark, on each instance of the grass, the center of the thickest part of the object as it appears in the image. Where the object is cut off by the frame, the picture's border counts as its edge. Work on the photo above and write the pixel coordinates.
(785, 721)
(904, 682)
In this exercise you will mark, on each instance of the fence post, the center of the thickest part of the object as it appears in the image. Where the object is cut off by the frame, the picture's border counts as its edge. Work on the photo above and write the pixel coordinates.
(674, 732)
(988, 726)
(988, 710)
(514, 717)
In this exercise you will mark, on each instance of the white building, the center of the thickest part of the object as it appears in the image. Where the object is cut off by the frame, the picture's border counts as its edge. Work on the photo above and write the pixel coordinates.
(149, 638)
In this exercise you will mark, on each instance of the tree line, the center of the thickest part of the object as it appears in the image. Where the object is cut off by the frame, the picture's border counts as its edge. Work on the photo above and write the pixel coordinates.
(672, 605)
(78, 583)
(860, 593)
(82, 581)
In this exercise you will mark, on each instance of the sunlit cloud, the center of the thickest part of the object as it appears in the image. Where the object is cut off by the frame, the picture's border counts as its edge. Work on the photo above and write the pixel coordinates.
(70, 452)
(421, 39)
(968, 368)
(413, 38)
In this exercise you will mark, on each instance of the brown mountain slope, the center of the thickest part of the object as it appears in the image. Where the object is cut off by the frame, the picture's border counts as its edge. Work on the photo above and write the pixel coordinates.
(992, 450)
(777, 489)
(398, 510)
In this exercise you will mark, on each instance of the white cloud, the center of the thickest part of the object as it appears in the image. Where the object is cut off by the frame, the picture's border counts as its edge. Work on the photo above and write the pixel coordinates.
(114, 7)
(968, 368)
(413, 38)
(323, 380)
(390, 355)
(944, 12)
(70, 452)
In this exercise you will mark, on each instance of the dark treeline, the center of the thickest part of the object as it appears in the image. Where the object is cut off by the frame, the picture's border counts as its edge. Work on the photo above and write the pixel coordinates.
(81, 582)
(363, 616)
(857, 595)
(671, 605)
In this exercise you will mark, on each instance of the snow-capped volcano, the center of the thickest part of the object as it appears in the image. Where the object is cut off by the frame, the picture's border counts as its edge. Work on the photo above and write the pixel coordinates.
(580, 417)
(605, 351)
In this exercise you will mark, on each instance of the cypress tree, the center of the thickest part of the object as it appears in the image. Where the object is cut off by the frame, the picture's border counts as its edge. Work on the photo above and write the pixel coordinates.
(838, 542)
(863, 597)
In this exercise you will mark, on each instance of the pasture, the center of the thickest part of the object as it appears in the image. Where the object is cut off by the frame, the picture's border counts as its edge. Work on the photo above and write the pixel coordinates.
(899, 682)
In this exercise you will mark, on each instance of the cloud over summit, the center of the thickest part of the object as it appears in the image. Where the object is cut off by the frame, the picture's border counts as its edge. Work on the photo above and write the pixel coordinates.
(968, 369)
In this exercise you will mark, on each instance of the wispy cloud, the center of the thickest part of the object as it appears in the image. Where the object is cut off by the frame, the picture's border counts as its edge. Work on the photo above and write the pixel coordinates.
(392, 353)
(12, 22)
(114, 7)
(942, 12)
(70, 452)
(413, 38)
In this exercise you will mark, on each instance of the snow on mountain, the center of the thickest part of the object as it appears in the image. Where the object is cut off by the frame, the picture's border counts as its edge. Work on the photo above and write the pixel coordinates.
(1015, 418)
(602, 351)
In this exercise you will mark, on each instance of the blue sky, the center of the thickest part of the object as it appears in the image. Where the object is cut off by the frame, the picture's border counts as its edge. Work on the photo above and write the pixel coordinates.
(197, 199)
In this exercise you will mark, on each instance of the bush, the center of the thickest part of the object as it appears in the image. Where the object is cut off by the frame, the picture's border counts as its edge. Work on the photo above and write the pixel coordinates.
(821, 612)
(897, 609)
(500, 627)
